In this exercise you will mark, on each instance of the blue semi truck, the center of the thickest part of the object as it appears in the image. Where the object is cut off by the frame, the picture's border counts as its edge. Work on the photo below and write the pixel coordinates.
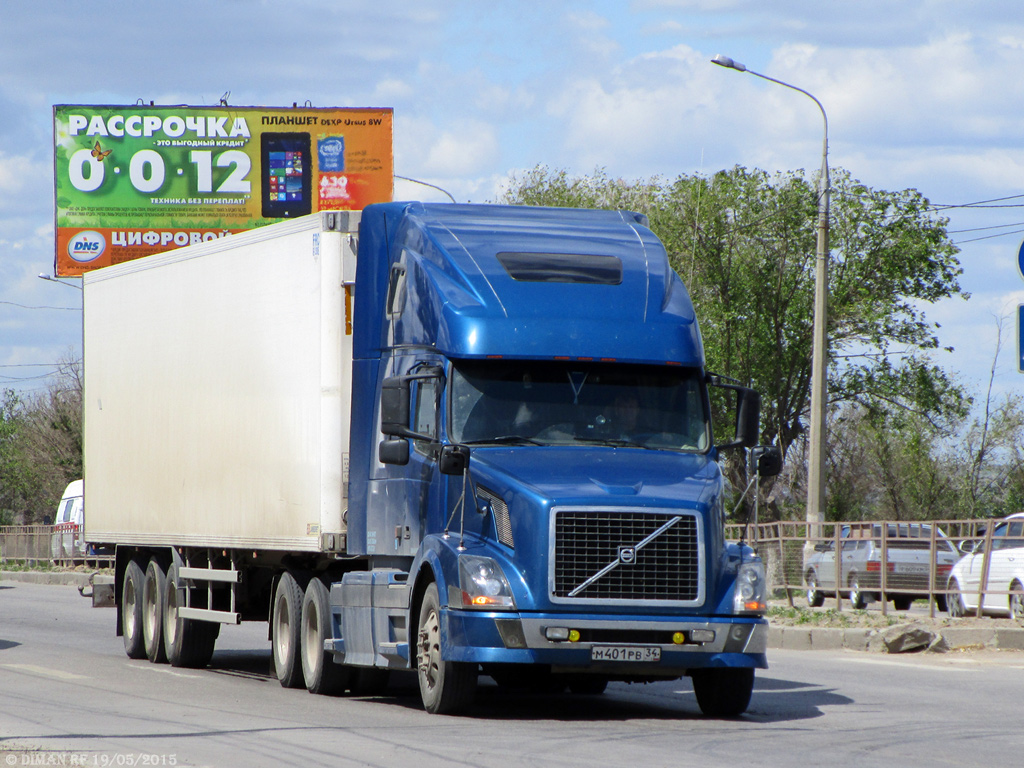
(456, 440)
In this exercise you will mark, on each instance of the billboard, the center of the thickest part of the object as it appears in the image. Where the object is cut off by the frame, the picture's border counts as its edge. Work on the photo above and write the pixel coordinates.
(136, 180)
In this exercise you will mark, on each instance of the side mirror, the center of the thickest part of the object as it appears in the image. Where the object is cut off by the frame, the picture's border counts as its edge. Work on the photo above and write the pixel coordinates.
(822, 547)
(748, 417)
(454, 459)
(394, 451)
(394, 407)
(766, 460)
(748, 414)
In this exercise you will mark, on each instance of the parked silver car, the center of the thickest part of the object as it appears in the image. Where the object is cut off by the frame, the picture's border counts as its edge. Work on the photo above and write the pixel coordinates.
(1003, 593)
(858, 570)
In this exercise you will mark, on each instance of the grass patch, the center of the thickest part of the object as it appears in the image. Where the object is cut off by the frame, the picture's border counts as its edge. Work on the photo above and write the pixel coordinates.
(830, 617)
(19, 566)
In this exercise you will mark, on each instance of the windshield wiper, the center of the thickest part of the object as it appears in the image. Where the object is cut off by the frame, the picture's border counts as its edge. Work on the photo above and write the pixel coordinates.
(505, 440)
(614, 442)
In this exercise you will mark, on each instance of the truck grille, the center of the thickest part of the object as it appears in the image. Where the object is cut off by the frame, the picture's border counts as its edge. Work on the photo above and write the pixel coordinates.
(627, 555)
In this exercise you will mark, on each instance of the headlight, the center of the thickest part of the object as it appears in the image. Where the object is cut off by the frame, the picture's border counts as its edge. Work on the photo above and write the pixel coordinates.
(483, 584)
(749, 590)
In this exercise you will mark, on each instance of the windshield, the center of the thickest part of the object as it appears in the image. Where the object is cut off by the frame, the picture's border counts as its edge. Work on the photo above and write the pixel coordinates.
(574, 403)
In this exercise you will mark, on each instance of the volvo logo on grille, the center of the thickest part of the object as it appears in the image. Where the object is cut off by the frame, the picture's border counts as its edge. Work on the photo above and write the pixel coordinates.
(627, 555)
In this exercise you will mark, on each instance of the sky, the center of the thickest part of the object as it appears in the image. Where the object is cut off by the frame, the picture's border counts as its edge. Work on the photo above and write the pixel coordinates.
(922, 94)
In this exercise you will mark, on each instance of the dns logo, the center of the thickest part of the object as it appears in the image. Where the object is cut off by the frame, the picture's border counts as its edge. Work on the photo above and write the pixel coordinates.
(86, 246)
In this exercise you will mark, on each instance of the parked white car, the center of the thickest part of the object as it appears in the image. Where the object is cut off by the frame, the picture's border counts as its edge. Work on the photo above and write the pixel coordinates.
(1003, 592)
(68, 541)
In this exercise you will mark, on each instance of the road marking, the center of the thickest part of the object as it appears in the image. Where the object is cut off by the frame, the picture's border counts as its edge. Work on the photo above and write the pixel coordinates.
(940, 664)
(56, 674)
(166, 671)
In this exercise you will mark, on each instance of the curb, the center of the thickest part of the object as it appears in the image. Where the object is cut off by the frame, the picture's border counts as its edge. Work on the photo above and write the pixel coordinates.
(834, 639)
(52, 578)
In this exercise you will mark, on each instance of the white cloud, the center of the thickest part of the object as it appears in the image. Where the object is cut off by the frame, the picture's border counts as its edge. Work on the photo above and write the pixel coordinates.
(426, 150)
(389, 90)
(648, 108)
(16, 172)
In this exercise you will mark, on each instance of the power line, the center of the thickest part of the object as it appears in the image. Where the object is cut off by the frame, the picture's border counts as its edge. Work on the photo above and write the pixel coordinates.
(26, 378)
(25, 306)
(982, 203)
(989, 237)
(31, 365)
(983, 229)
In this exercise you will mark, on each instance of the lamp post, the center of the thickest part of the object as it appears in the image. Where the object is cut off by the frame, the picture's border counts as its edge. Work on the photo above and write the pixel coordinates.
(819, 356)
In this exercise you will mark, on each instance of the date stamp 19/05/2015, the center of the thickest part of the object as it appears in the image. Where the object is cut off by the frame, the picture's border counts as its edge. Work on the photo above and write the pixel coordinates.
(38, 757)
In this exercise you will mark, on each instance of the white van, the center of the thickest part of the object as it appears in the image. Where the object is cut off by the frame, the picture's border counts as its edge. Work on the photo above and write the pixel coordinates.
(68, 540)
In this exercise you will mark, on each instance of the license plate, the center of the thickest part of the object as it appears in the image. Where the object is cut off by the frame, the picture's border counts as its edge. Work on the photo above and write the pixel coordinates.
(911, 568)
(628, 653)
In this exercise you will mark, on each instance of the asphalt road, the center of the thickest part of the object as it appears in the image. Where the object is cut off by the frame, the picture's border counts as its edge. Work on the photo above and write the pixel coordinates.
(69, 696)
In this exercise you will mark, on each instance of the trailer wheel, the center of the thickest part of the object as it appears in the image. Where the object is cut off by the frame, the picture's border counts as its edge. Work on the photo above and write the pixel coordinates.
(446, 687)
(319, 670)
(285, 631)
(131, 611)
(152, 612)
(723, 692)
(187, 642)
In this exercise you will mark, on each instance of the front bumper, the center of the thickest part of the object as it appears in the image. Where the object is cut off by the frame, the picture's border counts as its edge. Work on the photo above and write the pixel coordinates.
(510, 638)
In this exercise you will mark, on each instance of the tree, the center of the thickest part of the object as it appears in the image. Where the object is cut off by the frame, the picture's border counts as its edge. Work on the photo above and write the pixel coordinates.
(744, 243)
(40, 447)
(11, 491)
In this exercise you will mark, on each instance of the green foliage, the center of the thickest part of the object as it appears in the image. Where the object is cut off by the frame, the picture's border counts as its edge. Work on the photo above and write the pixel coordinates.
(40, 448)
(11, 466)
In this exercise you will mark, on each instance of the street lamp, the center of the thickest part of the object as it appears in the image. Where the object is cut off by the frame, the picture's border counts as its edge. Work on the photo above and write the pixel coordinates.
(819, 358)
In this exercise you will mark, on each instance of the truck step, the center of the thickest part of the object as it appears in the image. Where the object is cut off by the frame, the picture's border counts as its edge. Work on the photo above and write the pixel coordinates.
(203, 614)
(211, 574)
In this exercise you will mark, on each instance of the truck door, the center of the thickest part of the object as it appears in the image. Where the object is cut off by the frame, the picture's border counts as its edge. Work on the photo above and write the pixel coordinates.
(414, 487)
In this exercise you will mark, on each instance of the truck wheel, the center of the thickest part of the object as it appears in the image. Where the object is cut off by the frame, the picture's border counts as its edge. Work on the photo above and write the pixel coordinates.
(902, 603)
(723, 692)
(446, 687)
(815, 597)
(152, 612)
(187, 642)
(131, 611)
(319, 670)
(285, 630)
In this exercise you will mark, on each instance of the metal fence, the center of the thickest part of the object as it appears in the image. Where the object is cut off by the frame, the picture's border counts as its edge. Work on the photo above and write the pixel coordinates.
(917, 560)
(48, 545)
